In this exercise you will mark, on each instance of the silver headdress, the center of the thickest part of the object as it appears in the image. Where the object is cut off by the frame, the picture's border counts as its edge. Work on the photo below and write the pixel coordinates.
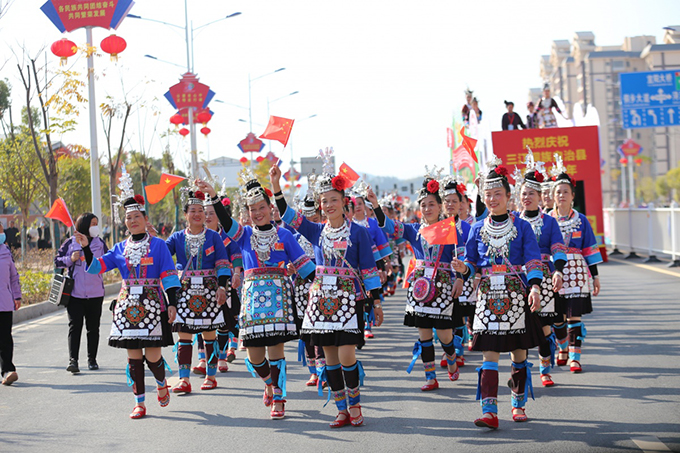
(531, 167)
(493, 182)
(433, 174)
(448, 186)
(191, 195)
(559, 172)
(251, 189)
(324, 182)
(126, 193)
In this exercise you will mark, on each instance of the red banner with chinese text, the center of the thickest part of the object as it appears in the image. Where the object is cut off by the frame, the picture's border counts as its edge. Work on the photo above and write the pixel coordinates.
(579, 147)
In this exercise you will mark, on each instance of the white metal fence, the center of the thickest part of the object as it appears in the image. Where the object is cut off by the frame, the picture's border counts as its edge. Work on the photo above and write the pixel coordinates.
(652, 231)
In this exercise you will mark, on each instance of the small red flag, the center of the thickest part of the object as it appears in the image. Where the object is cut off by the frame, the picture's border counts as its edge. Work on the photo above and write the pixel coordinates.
(278, 129)
(469, 144)
(156, 192)
(348, 173)
(59, 211)
(443, 232)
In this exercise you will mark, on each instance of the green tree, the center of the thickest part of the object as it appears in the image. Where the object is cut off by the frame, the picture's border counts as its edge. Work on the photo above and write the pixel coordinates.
(647, 189)
(73, 171)
(662, 189)
(673, 178)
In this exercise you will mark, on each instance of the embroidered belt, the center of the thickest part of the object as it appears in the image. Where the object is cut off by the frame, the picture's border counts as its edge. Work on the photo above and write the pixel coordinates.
(487, 271)
(199, 273)
(441, 267)
(129, 282)
(265, 272)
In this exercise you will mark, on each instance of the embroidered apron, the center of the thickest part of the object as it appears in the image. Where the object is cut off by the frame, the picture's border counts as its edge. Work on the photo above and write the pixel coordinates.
(577, 279)
(138, 311)
(267, 307)
(501, 303)
(333, 298)
(197, 305)
(468, 297)
(301, 295)
(438, 303)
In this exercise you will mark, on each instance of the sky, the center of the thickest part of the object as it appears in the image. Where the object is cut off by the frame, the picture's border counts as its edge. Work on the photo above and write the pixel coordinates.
(383, 78)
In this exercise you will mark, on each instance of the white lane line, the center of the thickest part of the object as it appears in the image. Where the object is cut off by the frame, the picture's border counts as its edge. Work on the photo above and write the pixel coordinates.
(650, 444)
(647, 267)
(40, 322)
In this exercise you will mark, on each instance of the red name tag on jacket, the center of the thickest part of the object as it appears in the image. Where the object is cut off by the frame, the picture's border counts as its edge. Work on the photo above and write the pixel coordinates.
(279, 247)
(148, 261)
(226, 241)
(576, 235)
(499, 269)
(210, 250)
(340, 244)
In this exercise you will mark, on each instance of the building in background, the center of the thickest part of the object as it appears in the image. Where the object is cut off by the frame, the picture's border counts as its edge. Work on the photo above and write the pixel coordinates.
(225, 168)
(585, 75)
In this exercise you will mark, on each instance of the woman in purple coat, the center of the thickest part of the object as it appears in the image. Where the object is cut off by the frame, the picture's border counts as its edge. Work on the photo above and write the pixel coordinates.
(88, 292)
(10, 300)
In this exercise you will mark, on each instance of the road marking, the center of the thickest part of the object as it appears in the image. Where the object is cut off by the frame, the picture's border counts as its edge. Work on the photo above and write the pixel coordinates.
(649, 268)
(50, 318)
(650, 444)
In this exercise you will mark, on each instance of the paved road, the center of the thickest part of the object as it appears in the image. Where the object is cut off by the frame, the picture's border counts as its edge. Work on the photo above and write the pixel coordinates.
(629, 390)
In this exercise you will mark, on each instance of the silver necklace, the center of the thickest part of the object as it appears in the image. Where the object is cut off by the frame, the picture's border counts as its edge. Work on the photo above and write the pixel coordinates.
(568, 224)
(330, 235)
(363, 223)
(535, 222)
(134, 251)
(194, 243)
(497, 236)
(262, 242)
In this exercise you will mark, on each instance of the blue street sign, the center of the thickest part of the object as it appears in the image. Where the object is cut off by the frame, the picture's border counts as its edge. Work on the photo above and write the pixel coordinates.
(650, 99)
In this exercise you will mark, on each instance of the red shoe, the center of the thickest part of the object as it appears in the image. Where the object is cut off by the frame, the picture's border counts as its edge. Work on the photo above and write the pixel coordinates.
(546, 380)
(455, 375)
(368, 334)
(222, 366)
(430, 387)
(519, 417)
(575, 366)
(359, 419)
(138, 412)
(340, 422)
(470, 346)
(266, 399)
(200, 370)
(561, 362)
(209, 384)
(313, 381)
(460, 361)
(231, 355)
(278, 415)
(444, 363)
(182, 387)
(163, 400)
(487, 422)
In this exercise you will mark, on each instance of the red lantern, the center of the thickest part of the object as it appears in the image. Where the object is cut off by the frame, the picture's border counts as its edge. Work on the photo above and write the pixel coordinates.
(287, 186)
(177, 119)
(64, 49)
(243, 160)
(184, 132)
(113, 45)
(623, 161)
(203, 117)
(638, 161)
(259, 159)
(205, 131)
(298, 186)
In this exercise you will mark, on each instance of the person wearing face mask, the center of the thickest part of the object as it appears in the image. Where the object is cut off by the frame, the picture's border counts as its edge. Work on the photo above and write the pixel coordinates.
(147, 303)
(581, 279)
(202, 259)
(10, 300)
(88, 291)
(503, 248)
(432, 297)
(267, 319)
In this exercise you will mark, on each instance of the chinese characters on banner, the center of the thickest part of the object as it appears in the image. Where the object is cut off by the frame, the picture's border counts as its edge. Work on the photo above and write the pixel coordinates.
(69, 15)
(579, 148)
(189, 92)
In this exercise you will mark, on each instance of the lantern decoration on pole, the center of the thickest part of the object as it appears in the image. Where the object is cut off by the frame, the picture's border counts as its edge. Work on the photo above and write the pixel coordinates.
(204, 116)
(259, 159)
(205, 131)
(184, 132)
(243, 160)
(63, 49)
(623, 161)
(113, 45)
(177, 119)
(638, 161)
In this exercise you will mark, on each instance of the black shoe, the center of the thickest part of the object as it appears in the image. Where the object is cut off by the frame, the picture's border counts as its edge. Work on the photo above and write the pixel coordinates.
(92, 364)
(73, 366)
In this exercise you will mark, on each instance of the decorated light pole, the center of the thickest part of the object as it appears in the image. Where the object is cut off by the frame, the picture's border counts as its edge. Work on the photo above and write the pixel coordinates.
(70, 15)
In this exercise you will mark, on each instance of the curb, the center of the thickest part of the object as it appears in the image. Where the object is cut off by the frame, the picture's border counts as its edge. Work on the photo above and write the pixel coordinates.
(43, 308)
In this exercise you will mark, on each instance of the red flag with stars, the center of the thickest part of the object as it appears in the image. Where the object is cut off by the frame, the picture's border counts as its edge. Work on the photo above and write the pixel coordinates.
(443, 232)
(278, 129)
(59, 211)
(348, 173)
(156, 192)
(469, 144)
